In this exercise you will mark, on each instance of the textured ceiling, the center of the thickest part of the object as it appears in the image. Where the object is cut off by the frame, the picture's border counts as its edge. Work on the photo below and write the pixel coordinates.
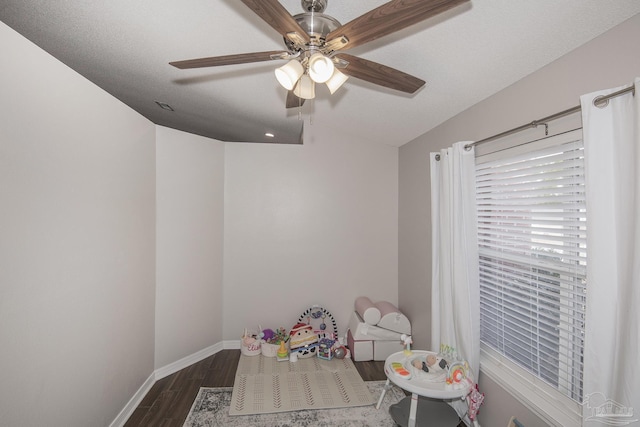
(465, 55)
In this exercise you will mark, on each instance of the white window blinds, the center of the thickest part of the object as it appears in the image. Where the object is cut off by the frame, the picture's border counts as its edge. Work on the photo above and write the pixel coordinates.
(532, 246)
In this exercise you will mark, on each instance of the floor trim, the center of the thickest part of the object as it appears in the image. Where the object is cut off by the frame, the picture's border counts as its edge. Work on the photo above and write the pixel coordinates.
(165, 371)
(133, 403)
(174, 367)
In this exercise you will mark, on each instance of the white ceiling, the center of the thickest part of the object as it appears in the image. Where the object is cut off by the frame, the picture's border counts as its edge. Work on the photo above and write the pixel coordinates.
(465, 55)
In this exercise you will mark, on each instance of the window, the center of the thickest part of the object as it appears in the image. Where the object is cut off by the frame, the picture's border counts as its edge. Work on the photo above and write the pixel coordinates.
(532, 252)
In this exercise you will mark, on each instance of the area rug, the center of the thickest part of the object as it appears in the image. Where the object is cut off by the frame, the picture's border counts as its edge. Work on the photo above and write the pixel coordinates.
(264, 385)
(211, 408)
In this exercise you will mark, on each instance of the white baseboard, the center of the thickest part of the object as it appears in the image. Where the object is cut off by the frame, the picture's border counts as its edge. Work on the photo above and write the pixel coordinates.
(165, 371)
(231, 345)
(188, 360)
(133, 403)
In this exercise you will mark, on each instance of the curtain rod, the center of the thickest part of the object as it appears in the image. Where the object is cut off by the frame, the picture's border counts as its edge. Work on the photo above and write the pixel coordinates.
(600, 101)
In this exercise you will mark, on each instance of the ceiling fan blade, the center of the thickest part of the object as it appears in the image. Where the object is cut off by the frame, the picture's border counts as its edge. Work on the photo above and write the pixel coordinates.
(380, 74)
(293, 101)
(215, 61)
(274, 14)
(388, 18)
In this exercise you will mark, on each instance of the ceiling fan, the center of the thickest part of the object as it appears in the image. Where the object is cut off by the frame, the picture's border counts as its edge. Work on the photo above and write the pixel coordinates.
(315, 42)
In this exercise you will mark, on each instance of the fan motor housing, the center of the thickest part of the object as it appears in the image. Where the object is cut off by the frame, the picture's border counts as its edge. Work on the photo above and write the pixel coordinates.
(316, 25)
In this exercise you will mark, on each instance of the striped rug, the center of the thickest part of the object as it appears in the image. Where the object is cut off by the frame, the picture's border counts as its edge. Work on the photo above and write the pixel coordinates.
(264, 385)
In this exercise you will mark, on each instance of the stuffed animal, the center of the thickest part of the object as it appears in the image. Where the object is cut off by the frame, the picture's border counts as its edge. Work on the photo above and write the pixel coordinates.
(303, 340)
(267, 334)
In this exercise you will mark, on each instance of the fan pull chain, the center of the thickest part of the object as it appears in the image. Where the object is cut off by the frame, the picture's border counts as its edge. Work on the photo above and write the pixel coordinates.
(300, 118)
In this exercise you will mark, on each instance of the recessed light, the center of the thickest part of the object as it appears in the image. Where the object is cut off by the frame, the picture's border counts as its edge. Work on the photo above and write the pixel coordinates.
(165, 106)
(269, 134)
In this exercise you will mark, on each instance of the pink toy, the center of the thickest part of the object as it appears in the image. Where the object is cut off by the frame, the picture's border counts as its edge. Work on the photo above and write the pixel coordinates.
(475, 401)
(250, 346)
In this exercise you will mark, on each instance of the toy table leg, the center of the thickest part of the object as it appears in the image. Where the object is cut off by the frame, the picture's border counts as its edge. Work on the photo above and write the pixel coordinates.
(465, 418)
(412, 410)
(386, 387)
(468, 421)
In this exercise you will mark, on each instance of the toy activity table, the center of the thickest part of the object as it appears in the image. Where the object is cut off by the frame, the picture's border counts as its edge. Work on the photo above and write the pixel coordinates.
(408, 380)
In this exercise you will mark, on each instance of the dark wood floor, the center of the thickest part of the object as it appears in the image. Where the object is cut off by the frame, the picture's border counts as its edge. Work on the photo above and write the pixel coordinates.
(168, 402)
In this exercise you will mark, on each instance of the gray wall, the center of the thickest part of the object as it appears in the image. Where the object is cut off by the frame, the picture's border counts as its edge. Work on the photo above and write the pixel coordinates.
(77, 227)
(304, 225)
(607, 61)
(189, 244)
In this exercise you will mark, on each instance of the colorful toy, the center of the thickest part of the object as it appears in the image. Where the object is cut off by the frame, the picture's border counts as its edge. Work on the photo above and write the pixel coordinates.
(321, 320)
(303, 340)
(319, 314)
(400, 370)
(340, 352)
(431, 364)
(282, 353)
(267, 335)
(448, 352)
(271, 340)
(324, 348)
(457, 374)
(407, 341)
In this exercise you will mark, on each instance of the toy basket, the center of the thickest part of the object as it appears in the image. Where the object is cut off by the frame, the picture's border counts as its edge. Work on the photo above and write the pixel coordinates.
(249, 345)
(270, 350)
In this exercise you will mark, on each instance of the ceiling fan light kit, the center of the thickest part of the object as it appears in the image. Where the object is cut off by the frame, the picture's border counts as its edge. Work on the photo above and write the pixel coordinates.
(314, 42)
(313, 55)
(319, 68)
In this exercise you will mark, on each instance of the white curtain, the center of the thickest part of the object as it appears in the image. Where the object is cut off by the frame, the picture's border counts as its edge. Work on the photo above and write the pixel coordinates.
(455, 287)
(612, 175)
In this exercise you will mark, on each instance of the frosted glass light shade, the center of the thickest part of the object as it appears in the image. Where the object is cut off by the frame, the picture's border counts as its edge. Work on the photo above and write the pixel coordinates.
(336, 80)
(289, 74)
(305, 88)
(320, 68)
